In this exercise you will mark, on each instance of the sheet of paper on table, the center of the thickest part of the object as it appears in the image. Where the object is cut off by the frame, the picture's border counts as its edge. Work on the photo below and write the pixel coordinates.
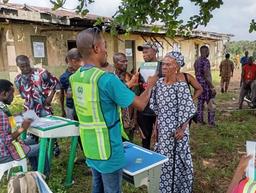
(42, 122)
(30, 114)
(45, 122)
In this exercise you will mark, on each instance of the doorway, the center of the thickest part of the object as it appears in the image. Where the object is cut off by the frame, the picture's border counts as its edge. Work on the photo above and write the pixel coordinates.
(71, 44)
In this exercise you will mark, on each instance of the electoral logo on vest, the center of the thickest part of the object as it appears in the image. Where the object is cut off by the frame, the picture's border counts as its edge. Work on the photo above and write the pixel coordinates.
(80, 90)
(79, 94)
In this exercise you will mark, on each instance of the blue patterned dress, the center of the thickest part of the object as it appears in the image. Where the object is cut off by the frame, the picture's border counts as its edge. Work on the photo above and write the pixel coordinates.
(173, 106)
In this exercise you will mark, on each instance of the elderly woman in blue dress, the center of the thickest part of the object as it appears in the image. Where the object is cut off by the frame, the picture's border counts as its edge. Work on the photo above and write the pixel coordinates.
(173, 104)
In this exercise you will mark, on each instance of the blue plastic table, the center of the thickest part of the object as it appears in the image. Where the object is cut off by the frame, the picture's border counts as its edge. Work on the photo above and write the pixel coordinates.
(143, 167)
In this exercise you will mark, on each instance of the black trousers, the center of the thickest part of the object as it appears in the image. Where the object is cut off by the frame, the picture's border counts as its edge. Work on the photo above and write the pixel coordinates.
(146, 125)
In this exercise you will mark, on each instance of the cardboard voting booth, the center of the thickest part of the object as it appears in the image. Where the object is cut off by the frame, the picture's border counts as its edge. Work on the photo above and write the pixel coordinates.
(143, 167)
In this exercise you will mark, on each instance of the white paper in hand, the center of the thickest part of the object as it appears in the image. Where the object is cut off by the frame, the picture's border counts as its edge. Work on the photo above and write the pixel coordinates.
(30, 114)
(148, 69)
(250, 149)
(18, 119)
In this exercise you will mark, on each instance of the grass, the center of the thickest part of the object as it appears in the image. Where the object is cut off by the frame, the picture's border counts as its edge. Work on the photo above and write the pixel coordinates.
(215, 152)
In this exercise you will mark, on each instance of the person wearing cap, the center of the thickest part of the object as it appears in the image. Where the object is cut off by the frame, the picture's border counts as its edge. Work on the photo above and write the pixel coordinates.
(203, 75)
(146, 119)
(173, 105)
(98, 97)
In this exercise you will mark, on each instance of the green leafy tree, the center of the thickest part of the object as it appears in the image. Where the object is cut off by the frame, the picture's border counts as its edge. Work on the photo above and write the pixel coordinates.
(132, 14)
(239, 47)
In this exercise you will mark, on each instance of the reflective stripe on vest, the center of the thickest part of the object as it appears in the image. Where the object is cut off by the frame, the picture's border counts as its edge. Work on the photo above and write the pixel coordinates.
(19, 149)
(241, 185)
(252, 188)
(247, 185)
(94, 132)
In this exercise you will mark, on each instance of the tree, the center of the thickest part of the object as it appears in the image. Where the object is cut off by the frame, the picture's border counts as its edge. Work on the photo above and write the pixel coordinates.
(133, 14)
(239, 47)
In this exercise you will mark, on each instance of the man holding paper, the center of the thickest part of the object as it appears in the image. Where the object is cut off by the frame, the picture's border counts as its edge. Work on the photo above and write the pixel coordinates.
(10, 147)
(147, 118)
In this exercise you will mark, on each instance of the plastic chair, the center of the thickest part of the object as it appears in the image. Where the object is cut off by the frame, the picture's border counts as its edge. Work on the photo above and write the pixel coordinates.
(7, 166)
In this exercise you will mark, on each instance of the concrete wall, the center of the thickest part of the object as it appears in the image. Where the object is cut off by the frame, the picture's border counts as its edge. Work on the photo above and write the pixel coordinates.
(16, 39)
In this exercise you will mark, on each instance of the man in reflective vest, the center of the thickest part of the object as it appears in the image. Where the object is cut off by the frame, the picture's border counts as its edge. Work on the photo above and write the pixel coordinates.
(98, 96)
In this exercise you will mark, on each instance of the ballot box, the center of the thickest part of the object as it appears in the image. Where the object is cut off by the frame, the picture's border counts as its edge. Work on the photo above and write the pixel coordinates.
(142, 167)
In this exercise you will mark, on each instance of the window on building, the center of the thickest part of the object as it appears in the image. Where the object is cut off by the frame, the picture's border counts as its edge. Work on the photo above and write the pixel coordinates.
(71, 44)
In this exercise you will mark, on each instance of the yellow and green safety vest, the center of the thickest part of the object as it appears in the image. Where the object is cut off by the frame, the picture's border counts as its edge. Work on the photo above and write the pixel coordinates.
(19, 150)
(94, 132)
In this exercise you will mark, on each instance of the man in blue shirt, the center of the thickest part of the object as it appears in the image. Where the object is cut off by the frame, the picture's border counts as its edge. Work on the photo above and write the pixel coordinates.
(73, 59)
(107, 174)
(64, 85)
(244, 59)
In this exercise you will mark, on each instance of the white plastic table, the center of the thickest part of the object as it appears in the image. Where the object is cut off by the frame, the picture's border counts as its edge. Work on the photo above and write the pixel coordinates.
(59, 128)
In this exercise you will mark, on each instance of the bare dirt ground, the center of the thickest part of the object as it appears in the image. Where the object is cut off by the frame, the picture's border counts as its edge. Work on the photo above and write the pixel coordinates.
(234, 90)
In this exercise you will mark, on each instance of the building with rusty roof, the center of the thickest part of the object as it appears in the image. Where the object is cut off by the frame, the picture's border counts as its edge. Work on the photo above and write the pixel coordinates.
(46, 35)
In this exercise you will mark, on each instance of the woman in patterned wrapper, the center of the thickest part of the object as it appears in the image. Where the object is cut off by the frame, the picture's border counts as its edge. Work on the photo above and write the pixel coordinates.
(173, 104)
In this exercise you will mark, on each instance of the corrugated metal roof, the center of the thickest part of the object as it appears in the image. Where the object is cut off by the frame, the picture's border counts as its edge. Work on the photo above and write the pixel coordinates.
(57, 16)
(57, 13)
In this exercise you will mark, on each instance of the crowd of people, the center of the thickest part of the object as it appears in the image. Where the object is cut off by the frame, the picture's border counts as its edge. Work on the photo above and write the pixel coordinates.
(247, 81)
(110, 103)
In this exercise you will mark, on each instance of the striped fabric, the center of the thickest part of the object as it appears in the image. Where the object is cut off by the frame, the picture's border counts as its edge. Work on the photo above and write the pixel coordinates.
(246, 186)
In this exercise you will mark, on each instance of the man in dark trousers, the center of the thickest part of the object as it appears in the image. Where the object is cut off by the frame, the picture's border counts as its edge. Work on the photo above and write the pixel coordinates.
(203, 75)
(147, 118)
(248, 79)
